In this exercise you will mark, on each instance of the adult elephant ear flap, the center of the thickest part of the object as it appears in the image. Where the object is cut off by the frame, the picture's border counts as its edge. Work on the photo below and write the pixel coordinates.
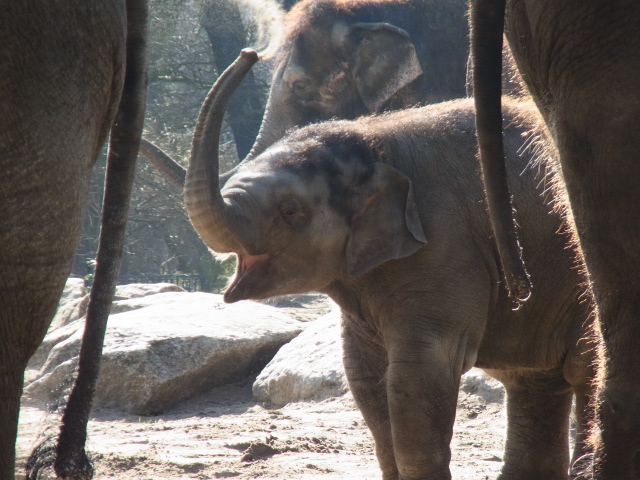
(487, 25)
(386, 224)
(385, 62)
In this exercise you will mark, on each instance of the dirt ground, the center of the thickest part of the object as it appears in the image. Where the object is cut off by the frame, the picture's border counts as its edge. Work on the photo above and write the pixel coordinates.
(225, 434)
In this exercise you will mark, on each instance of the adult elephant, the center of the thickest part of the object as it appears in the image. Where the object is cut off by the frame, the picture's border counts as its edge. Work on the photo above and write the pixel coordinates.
(581, 62)
(69, 71)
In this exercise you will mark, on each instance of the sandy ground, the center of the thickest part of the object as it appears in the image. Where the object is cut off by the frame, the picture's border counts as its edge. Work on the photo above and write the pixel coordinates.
(225, 434)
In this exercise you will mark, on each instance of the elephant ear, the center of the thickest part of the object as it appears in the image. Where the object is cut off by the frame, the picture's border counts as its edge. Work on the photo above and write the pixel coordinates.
(385, 62)
(386, 224)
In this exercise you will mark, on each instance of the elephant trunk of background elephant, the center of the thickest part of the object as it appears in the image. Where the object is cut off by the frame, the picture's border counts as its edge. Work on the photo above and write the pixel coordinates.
(209, 214)
(487, 24)
(278, 117)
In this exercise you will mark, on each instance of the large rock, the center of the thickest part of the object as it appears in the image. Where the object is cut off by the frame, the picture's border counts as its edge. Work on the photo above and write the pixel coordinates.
(163, 348)
(74, 301)
(307, 368)
(73, 306)
(73, 289)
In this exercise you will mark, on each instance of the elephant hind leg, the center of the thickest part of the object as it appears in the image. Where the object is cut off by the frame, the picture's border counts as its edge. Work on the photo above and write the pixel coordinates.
(537, 443)
(581, 458)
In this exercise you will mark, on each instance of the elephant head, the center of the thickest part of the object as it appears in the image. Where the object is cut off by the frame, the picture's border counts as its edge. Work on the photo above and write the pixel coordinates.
(301, 213)
(343, 60)
(336, 69)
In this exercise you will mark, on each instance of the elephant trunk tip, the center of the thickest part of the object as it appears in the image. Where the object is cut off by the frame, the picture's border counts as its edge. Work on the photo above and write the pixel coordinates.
(249, 54)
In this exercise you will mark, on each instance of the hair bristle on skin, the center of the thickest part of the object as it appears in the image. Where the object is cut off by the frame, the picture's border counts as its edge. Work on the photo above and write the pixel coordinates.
(545, 159)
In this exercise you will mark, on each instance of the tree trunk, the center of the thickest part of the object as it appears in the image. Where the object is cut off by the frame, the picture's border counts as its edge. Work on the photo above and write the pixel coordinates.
(228, 35)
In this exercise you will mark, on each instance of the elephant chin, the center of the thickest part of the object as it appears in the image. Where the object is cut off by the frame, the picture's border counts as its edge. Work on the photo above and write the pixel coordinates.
(249, 279)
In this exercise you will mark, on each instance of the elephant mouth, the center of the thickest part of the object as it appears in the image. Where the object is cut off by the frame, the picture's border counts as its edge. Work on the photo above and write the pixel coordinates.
(250, 269)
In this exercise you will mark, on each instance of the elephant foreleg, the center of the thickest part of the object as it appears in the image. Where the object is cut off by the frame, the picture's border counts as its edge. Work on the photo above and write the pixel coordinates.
(422, 390)
(365, 364)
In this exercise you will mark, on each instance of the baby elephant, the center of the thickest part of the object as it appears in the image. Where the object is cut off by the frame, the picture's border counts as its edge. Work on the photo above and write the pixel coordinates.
(386, 215)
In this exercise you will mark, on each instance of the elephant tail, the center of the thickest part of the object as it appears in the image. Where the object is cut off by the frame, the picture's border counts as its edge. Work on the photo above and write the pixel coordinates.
(487, 25)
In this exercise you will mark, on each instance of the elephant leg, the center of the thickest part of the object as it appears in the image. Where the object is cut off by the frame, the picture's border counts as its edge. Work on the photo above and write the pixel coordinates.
(31, 283)
(607, 222)
(27, 308)
(10, 391)
(581, 457)
(422, 390)
(537, 442)
(617, 435)
(365, 365)
(579, 371)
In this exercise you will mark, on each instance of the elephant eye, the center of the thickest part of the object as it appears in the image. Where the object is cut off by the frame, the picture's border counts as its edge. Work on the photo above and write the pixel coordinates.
(291, 211)
(299, 88)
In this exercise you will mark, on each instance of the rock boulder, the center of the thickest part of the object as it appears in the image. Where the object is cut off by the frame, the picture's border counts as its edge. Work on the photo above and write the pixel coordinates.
(163, 348)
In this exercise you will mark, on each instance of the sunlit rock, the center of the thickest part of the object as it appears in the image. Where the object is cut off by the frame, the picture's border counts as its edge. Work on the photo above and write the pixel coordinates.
(167, 347)
(307, 368)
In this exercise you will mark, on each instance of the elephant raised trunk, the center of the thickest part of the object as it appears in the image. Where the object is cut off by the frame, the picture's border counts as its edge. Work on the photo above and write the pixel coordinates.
(210, 215)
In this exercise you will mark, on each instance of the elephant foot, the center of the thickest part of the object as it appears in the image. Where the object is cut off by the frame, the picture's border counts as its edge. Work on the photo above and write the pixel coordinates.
(433, 475)
(77, 467)
(514, 473)
(44, 456)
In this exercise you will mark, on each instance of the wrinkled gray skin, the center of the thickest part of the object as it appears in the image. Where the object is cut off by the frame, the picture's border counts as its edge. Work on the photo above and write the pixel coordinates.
(386, 215)
(63, 71)
(581, 63)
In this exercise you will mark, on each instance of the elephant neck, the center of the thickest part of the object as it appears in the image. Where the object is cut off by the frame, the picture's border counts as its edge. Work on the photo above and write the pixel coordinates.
(362, 307)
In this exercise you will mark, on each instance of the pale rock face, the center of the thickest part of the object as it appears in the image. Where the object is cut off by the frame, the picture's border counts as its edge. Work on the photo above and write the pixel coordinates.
(163, 348)
(73, 305)
(307, 368)
(72, 295)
